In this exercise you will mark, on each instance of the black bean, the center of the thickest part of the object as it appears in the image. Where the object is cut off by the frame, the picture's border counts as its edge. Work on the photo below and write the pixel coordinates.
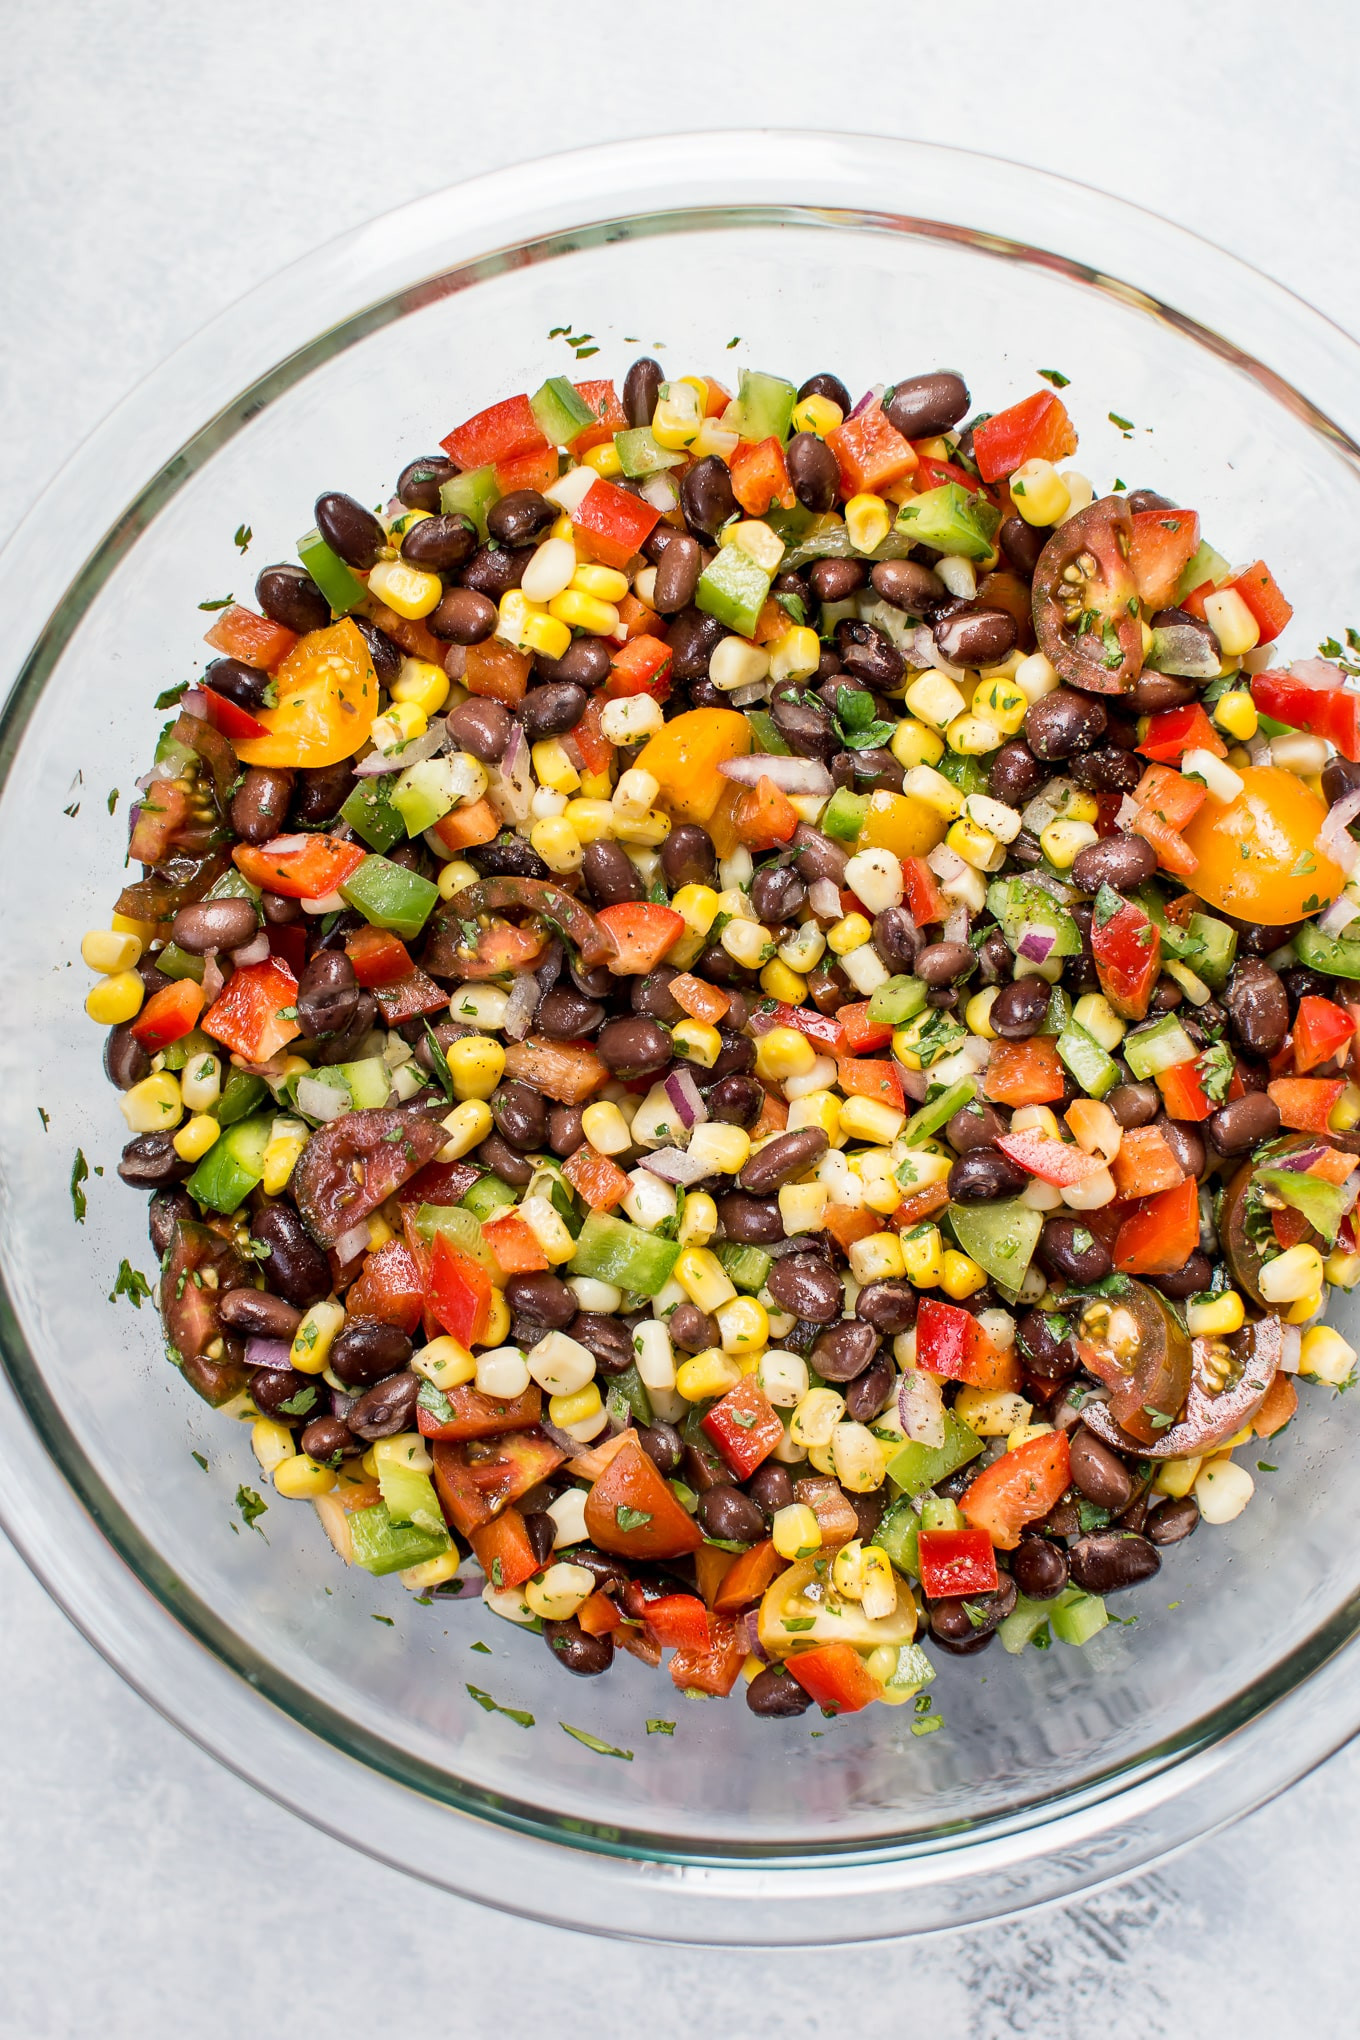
(777, 895)
(325, 1436)
(1067, 1247)
(1015, 773)
(149, 1160)
(906, 584)
(328, 994)
(259, 806)
(345, 1043)
(888, 1306)
(293, 1266)
(584, 664)
(775, 1695)
(806, 727)
(818, 856)
(1107, 1561)
(519, 518)
(420, 481)
(975, 1125)
(978, 637)
(494, 570)
(552, 710)
(1039, 1568)
(750, 1221)
(677, 574)
(836, 580)
(463, 617)
(1120, 861)
(386, 1408)
(868, 654)
(215, 924)
(1063, 722)
(1172, 1520)
(633, 1047)
(813, 472)
(735, 1100)
(367, 1350)
(1339, 777)
(808, 1286)
(727, 1513)
(651, 995)
(984, 1175)
(439, 544)
(1191, 1280)
(925, 405)
(541, 1529)
(897, 939)
(692, 1329)
(564, 1014)
(1153, 692)
(258, 1315)
(320, 793)
(575, 1651)
(943, 963)
(693, 638)
(706, 497)
(247, 686)
(1258, 1007)
(543, 1297)
(271, 1387)
(957, 1631)
(995, 962)
(663, 1445)
(482, 727)
(565, 1131)
(1185, 1142)
(608, 1338)
(781, 1159)
(126, 1062)
(829, 386)
(1134, 1104)
(1022, 544)
(1100, 1474)
(521, 1116)
(288, 595)
(508, 1163)
(1019, 1008)
(1245, 1123)
(641, 388)
(771, 1487)
(166, 1211)
(869, 1394)
(507, 857)
(385, 653)
(610, 874)
(845, 1350)
(688, 856)
(350, 530)
(1109, 770)
(1149, 499)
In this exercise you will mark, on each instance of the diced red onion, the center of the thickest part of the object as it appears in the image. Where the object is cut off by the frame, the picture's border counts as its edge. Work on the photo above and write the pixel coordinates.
(661, 492)
(683, 1093)
(563, 1440)
(195, 702)
(674, 1165)
(915, 1083)
(525, 993)
(1301, 1161)
(1258, 749)
(1334, 836)
(254, 951)
(352, 1243)
(870, 397)
(1291, 1348)
(748, 1634)
(790, 775)
(920, 1408)
(1338, 916)
(134, 816)
(455, 661)
(824, 898)
(268, 1353)
(922, 650)
(1126, 814)
(213, 980)
(321, 1101)
(1315, 673)
(745, 696)
(413, 753)
(512, 786)
(1036, 943)
(342, 1404)
(957, 925)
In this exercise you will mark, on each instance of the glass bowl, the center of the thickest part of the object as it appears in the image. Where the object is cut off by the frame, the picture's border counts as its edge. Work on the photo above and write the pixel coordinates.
(334, 1692)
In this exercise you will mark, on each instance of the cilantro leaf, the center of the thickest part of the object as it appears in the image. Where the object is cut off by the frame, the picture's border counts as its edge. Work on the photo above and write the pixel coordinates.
(80, 1173)
(592, 1742)
(250, 1505)
(436, 1402)
(631, 1519)
(220, 602)
(132, 1284)
(518, 1715)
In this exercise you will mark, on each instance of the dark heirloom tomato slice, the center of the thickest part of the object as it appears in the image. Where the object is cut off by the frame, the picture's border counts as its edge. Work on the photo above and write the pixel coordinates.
(1134, 1344)
(1085, 601)
(1239, 1249)
(350, 1167)
(189, 1307)
(1229, 1383)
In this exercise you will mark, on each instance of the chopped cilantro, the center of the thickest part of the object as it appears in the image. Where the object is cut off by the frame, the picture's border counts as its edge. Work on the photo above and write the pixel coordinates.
(298, 1404)
(631, 1519)
(44, 1118)
(131, 1283)
(1125, 424)
(385, 1619)
(201, 1460)
(172, 695)
(243, 536)
(218, 602)
(592, 1742)
(518, 1715)
(80, 1173)
(655, 1727)
(484, 1648)
(250, 1505)
(1056, 377)
(436, 1402)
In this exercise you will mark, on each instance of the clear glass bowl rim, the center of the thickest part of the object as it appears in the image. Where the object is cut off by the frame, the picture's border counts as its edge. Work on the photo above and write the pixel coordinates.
(52, 1505)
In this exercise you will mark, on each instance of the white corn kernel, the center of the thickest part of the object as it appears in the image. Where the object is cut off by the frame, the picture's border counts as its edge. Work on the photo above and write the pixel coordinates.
(560, 1365)
(549, 571)
(568, 1511)
(502, 1373)
(735, 663)
(1223, 1489)
(875, 876)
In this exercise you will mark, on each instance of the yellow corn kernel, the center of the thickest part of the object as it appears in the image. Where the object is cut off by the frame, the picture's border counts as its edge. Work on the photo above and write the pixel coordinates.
(1176, 1477)
(802, 1207)
(934, 699)
(978, 1012)
(1097, 1016)
(698, 1219)
(1342, 1270)
(314, 1337)
(635, 794)
(961, 1275)
(557, 843)
(301, 1479)
(1326, 1356)
(878, 1584)
(757, 540)
(444, 1362)
(697, 1041)
(991, 1412)
(707, 1374)
(596, 786)
(604, 459)
(1041, 495)
(847, 1570)
(1061, 842)
(851, 933)
(115, 999)
(1288, 1277)
(817, 414)
(867, 522)
(972, 736)
(154, 1105)
(712, 437)
(913, 744)
(1231, 622)
(476, 1065)
(871, 1119)
(467, 1126)
(722, 1149)
(200, 1083)
(561, 1590)
(192, 1141)
(876, 1259)
(1035, 677)
(585, 612)
(646, 831)
(145, 931)
(552, 767)
(592, 821)
(546, 634)
(1216, 1315)
(678, 415)
(549, 1228)
(857, 1459)
(815, 1417)
(978, 847)
(795, 1531)
(271, 1443)
(379, 1231)
(1345, 1114)
(704, 1279)
(409, 590)
(782, 983)
(923, 1256)
(784, 1052)
(454, 876)
(816, 1108)
(697, 906)
(1304, 1307)
(922, 782)
(110, 950)
(607, 584)
(422, 682)
(280, 1159)
(1002, 703)
(744, 1325)
(1236, 713)
(795, 656)
(605, 1127)
(431, 1572)
(582, 1413)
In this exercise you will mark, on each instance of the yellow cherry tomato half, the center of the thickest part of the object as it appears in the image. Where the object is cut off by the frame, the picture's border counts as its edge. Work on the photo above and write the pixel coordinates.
(903, 824)
(327, 699)
(685, 756)
(1258, 855)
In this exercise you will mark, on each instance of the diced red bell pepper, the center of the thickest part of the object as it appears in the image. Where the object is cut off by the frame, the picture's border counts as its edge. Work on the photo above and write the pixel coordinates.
(699, 999)
(1023, 1072)
(643, 930)
(168, 1015)
(1060, 1162)
(823, 1028)
(956, 1562)
(870, 452)
(611, 524)
(1183, 1094)
(497, 434)
(602, 400)
(1128, 956)
(923, 895)
(641, 666)
(1173, 852)
(1330, 712)
(1256, 585)
(744, 1427)
(1018, 1488)
(859, 1034)
(836, 1677)
(746, 1580)
(232, 720)
(870, 1079)
(299, 867)
(504, 1550)
(760, 477)
(594, 1177)
(765, 817)
(514, 1245)
(717, 1668)
(933, 473)
(1171, 797)
(480, 1416)
(248, 1016)
(254, 640)
(1321, 1030)
(679, 1622)
(593, 749)
(409, 997)
(537, 469)
(948, 1341)
(1160, 1235)
(1037, 428)
(379, 957)
(459, 1291)
(1306, 1103)
(1164, 543)
(389, 1287)
(1174, 731)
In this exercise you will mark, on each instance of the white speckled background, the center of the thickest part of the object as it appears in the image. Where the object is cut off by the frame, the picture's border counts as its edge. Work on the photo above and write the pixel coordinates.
(154, 163)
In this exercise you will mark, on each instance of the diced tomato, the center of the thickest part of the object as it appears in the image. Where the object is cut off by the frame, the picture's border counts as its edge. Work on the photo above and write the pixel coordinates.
(1183, 1095)
(1127, 947)
(679, 1622)
(476, 1478)
(497, 434)
(1023, 1072)
(746, 1580)
(594, 1177)
(1174, 731)
(1037, 428)
(643, 931)
(533, 470)
(600, 398)
(592, 747)
(1171, 797)
(956, 1562)
(299, 867)
(1173, 852)
(254, 640)
(717, 399)
(859, 1035)
(923, 896)
(1018, 1488)
(697, 998)
(504, 1550)
(847, 1223)
(389, 1287)
(480, 1416)
(439, 1183)
(231, 720)
(1256, 585)
(642, 666)
(514, 1245)
(378, 956)
(1164, 543)
(836, 1677)
(637, 620)
(870, 452)
(248, 1015)
(611, 524)
(760, 477)
(1160, 1234)
(598, 1615)
(1289, 1228)
(168, 1015)
(459, 1291)
(744, 1427)
(566, 1071)
(947, 1340)
(1306, 1103)
(1332, 1166)
(1330, 712)
(289, 943)
(1282, 1400)
(1060, 1162)
(711, 1567)
(870, 1079)
(765, 817)
(713, 1670)
(409, 997)
(773, 623)
(1145, 1164)
(497, 671)
(630, 1510)
(463, 828)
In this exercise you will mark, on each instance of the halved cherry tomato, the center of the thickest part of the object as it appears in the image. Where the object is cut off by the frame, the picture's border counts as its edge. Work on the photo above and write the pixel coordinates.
(765, 817)
(643, 930)
(249, 1014)
(594, 1177)
(1037, 428)
(611, 524)
(744, 1427)
(1023, 1072)
(327, 701)
(504, 1550)
(479, 1416)
(566, 1071)
(598, 1615)
(1330, 712)
(254, 640)
(389, 1287)
(870, 452)
(956, 1562)
(1135, 1345)
(1163, 544)
(1127, 947)
(760, 477)
(684, 758)
(1018, 1488)
(700, 1000)
(1256, 585)
(836, 1677)
(459, 1291)
(1282, 1400)
(226, 716)
(497, 434)
(1160, 1236)
(1258, 855)
(746, 1581)
(299, 867)
(1174, 731)
(1060, 1162)
(168, 1015)
(630, 1510)
(1089, 628)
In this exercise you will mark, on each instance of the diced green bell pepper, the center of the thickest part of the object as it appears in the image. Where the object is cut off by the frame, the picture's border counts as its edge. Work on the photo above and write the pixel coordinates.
(562, 415)
(627, 1396)
(342, 589)
(241, 1094)
(1059, 1012)
(641, 453)
(765, 734)
(843, 815)
(175, 962)
(763, 408)
(1083, 1055)
(938, 1112)
(1017, 903)
(382, 1546)
(1001, 1238)
(471, 495)
(897, 1001)
(1203, 565)
(747, 1268)
(1324, 1205)
(916, 1469)
(371, 815)
(1331, 953)
(369, 1081)
(390, 897)
(1217, 949)
(952, 520)
(733, 588)
(1023, 1624)
(423, 793)
(938, 1512)
(611, 1250)
(187, 1047)
(487, 1195)
(899, 1534)
(1164, 1045)
(232, 1166)
(462, 1227)
(1077, 1617)
(410, 1497)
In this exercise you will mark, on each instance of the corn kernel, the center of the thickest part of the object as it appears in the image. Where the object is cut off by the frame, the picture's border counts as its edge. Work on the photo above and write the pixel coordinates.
(697, 906)
(877, 1258)
(817, 414)
(866, 522)
(802, 951)
(646, 831)
(972, 736)
(744, 1325)
(704, 1279)
(200, 1083)
(697, 1041)
(783, 1052)
(923, 783)
(978, 1012)
(1342, 1269)
(558, 844)
(871, 1119)
(422, 682)
(698, 1219)
(314, 1337)
(585, 612)
(454, 876)
(816, 1416)
(476, 1065)
(280, 1159)
(154, 1105)
(934, 699)
(549, 1228)
(467, 1126)
(1223, 1488)
(723, 1149)
(606, 584)
(1231, 622)
(1304, 1308)
(445, 1362)
(409, 590)
(913, 744)
(546, 634)
(851, 933)
(735, 663)
(1326, 1356)
(1062, 841)
(747, 943)
(923, 1256)
(1345, 1114)
(1292, 1275)
(795, 1531)
(816, 1108)
(633, 717)
(1236, 713)
(192, 1141)
(975, 846)
(677, 416)
(713, 437)
(271, 1443)
(1176, 1477)
(991, 1412)
(707, 1374)
(552, 766)
(432, 1572)
(779, 982)
(582, 1415)
(961, 1275)
(604, 459)
(796, 655)
(110, 950)
(115, 999)
(1041, 495)
(301, 1479)
(802, 1207)
(561, 1590)
(145, 931)
(1036, 676)
(1002, 704)
(1216, 1316)
(857, 1458)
